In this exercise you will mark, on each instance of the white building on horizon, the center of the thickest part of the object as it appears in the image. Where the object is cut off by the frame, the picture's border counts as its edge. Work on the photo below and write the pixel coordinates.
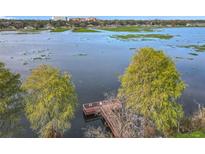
(63, 18)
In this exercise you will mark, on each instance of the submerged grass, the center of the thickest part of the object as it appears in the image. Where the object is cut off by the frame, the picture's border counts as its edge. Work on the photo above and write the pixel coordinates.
(189, 58)
(142, 36)
(179, 57)
(198, 48)
(81, 54)
(129, 29)
(193, 54)
(84, 30)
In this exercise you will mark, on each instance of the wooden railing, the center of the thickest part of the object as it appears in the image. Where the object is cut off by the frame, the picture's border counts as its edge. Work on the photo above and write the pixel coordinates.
(105, 110)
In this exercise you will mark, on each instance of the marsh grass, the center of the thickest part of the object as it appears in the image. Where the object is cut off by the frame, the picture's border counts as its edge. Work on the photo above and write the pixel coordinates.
(179, 57)
(61, 29)
(196, 134)
(189, 58)
(85, 30)
(81, 54)
(197, 48)
(132, 48)
(129, 29)
(193, 54)
(142, 36)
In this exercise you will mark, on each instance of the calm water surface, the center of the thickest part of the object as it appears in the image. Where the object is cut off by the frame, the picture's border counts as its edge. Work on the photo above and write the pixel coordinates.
(95, 61)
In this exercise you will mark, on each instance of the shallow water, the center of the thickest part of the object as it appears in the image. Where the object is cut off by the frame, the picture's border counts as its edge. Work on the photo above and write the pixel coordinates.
(95, 61)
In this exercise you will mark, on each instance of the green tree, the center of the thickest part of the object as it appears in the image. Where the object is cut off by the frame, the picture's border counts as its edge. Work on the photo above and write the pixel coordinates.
(10, 102)
(50, 101)
(151, 86)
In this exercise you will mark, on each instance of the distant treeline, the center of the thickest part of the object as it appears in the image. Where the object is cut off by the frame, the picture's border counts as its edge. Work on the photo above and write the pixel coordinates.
(49, 24)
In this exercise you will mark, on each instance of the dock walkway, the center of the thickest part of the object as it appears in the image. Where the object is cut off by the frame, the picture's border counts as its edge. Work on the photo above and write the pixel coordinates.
(105, 110)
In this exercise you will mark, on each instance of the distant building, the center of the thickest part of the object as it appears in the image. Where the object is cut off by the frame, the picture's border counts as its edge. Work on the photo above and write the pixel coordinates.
(83, 19)
(188, 25)
(63, 18)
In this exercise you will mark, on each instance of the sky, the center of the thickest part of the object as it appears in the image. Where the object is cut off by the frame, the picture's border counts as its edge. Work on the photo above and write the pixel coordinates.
(112, 17)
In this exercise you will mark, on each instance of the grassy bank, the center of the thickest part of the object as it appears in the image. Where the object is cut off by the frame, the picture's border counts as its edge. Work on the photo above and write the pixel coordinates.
(129, 29)
(84, 30)
(142, 36)
(30, 31)
(196, 134)
(59, 29)
(198, 48)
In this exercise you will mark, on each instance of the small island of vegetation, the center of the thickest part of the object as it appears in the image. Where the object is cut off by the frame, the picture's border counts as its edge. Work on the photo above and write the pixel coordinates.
(84, 30)
(142, 36)
(130, 29)
(197, 48)
(59, 29)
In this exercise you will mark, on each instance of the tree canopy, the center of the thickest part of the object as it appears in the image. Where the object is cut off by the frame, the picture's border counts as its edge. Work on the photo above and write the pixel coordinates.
(50, 100)
(151, 86)
(10, 102)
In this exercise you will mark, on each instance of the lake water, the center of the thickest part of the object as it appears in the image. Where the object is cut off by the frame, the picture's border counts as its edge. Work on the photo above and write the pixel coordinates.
(95, 62)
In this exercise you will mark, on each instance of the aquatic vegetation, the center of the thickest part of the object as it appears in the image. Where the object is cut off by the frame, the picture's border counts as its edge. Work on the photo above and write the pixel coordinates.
(197, 48)
(196, 134)
(193, 54)
(138, 36)
(61, 29)
(179, 57)
(81, 54)
(147, 39)
(129, 29)
(132, 48)
(33, 55)
(171, 46)
(84, 30)
(37, 58)
(25, 63)
(41, 57)
(189, 58)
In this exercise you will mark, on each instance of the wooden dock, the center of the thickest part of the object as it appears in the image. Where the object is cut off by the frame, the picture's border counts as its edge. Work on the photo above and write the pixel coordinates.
(105, 110)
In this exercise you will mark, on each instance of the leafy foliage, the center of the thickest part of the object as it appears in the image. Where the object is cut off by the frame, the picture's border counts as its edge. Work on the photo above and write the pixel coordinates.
(50, 100)
(10, 102)
(150, 86)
